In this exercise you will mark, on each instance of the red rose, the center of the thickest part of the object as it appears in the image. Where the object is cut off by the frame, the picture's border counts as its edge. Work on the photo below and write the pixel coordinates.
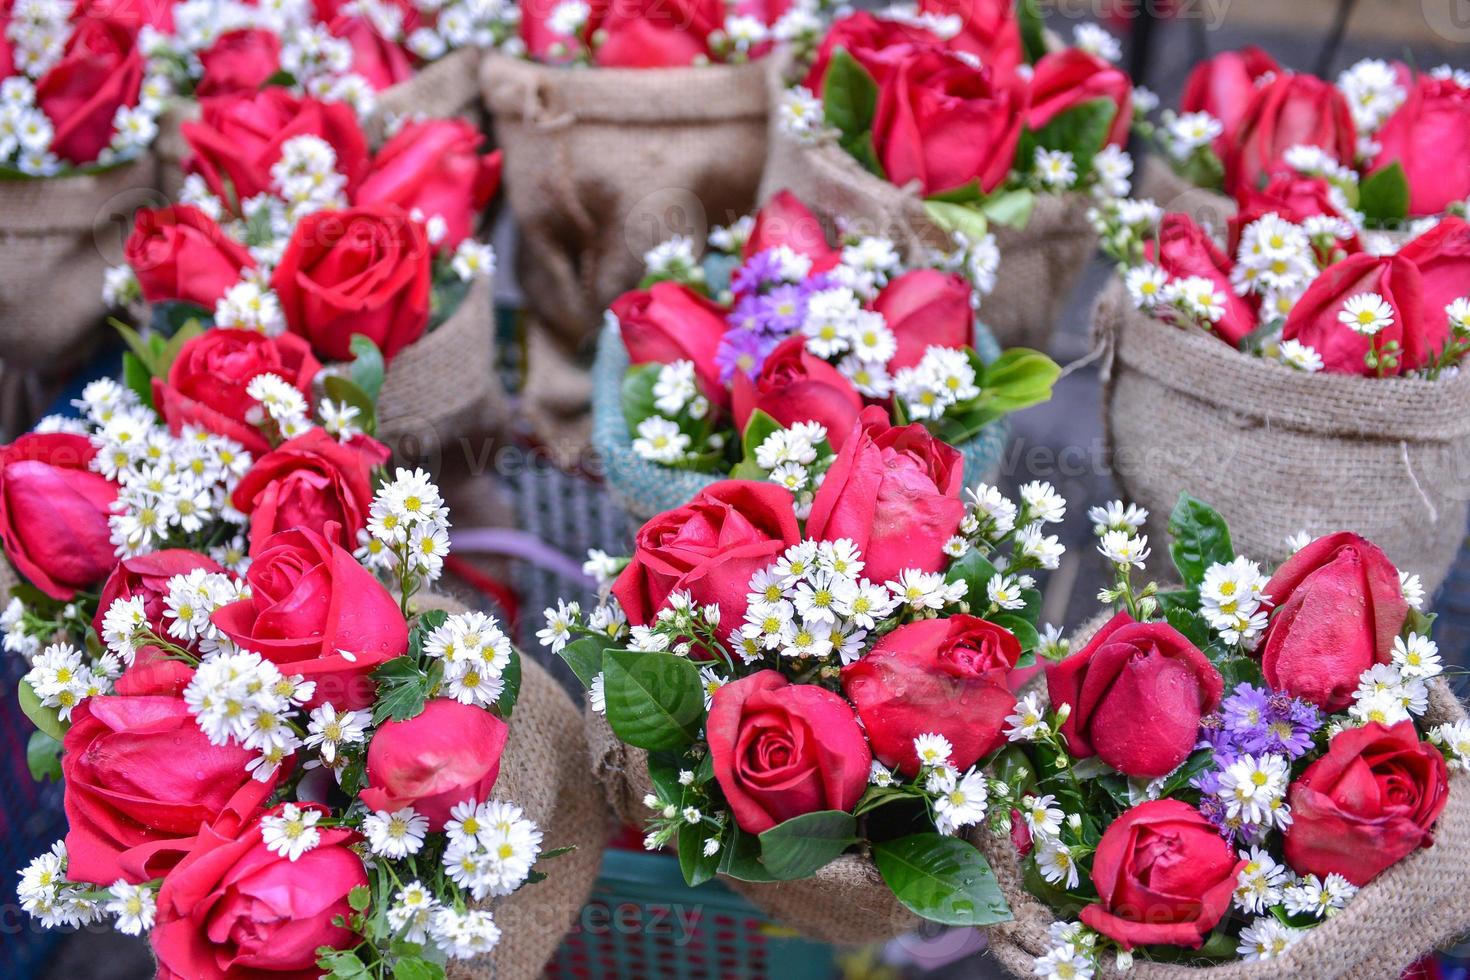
(946, 676)
(207, 381)
(1339, 607)
(1314, 319)
(100, 71)
(1430, 128)
(1138, 692)
(311, 481)
(381, 61)
(710, 547)
(314, 611)
(238, 138)
(785, 220)
(990, 30)
(1184, 249)
(1291, 196)
(232, 908)
(1224, 85)
(1164, 876)
(179, 253)
(926, 308)
(1442, 256)
(146, 577)
(363, 270)
(656, 33)
(447, 754)
(141, 779)
(669, 322)
(537, 34)
(435, 165)
(1287, 111)
(944, 123)
(876, 43)
(53, 513)
(239, 62)
(1367, 804)
(1066, 79)
(893, 490)
(796, 386)
(781, 749)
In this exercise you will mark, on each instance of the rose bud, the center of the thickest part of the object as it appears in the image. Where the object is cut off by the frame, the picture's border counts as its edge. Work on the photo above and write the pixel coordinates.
(1431, 127)
(434, 166)
(234, 908)
(990, 30)
(781, 749)
(147, 577)
(141, 779)
(207, 382)
(100, 71)
(877, 43)
(710, 547)
(1290, 110)
(1066, 79)
(239, 61)
(238, 138)
(797, 386)
(1138, 692)
(657, 33)
(362, 270)
(670, 322)
(1224, 85)
(314, 610)
(311, 481)
(1367, 804)
(943, 676)
(785, 220)
(1164, 876)
(1315, 319)
(1184, 249)
(1339, 607)
(895, 491)
(53, 513)
(1442, 256)
(447, 754)
(926, 308)
(945, 123)
(179, 253)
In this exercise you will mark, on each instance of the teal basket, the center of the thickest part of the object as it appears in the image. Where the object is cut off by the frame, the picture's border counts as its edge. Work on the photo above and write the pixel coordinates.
(645, 489)
(644, 923)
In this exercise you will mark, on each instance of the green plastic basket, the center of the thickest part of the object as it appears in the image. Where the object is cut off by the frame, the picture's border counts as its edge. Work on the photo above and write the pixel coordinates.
(643, 923)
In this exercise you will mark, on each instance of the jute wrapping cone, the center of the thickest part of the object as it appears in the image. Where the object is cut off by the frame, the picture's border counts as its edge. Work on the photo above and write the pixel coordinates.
(542, 772)
(602, 164)
(1157, 180)
(1039, 264)
(1414, 906)
(845, 903)
(441, 89)
(1279, 452)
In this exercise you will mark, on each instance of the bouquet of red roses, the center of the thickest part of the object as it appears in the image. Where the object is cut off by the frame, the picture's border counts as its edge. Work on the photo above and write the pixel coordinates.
(1225, 768)
(757, 361)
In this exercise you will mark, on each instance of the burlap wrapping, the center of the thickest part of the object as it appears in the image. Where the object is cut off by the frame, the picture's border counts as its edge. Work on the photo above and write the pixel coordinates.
(1039, 264)
(442, 89)
(845, 903)
(541, 772)
(58, 235)
(1158, 181)
(1278, 451)
(644, 488)
(601, 165)
(1414, 906)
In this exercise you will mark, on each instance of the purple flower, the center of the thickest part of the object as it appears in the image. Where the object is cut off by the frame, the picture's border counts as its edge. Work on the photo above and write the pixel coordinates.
(743, 350)
(1244, 713)
(760, 270)
(781, 311)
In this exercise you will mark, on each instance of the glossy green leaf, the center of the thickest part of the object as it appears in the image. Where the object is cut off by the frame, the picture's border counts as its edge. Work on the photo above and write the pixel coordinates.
(801, 846)
(654, 700)
(849, 96)
(1200, 538)
(43, 757)
(585, 658)
(45, 719)
(367, 369)
(942, 879)
(1383, 196)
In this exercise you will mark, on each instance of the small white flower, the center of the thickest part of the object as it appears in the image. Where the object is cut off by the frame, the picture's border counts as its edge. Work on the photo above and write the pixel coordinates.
(1416, 657)
(1413, 589)
(292, 832)
(1005, 591)
(395, 835)
(1266, 938)
(1366, 314)
(660, 441)
(1295, 354)
(1055, 862)
(134, 905)
(1041, 817)
(1454, 741)
(1096, 41)
(1056, 168)
(1259, 884)
(933, 749)
(1028, 721)
(1122, 548)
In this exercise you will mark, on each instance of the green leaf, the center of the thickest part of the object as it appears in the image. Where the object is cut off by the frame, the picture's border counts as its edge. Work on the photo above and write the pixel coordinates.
(416, 968)
(345, 391)
(1200, 538)
(849, 97)
(942, 879)
(1081, 130)
(585, 658)
(964, 194)
(140, 348)
(961, 218)
(1061, 901)
(638, 394)
(975, 570)
(801, 846)
(1011, 767)
(367, 367)
(1018, 379)
(186, 332)
(740, 857)
(696, 866)
(758, 429)
(654, 700)
(1383, 196)
(1013, 208)
(359, 897)
(171, 316)
(402, 690)
(342, 964)
(1202, 168)
(1181, 610)
(1033, 29)
(43, 757)
(1024, 631)
(45, 719)
(505, 705)
(137, 377)
(445, 300)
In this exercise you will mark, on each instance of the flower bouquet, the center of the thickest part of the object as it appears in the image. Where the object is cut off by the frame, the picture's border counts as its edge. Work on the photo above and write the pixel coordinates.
(288, 225)
(757, 362)
(272, 763)
(957, 120)
(1379, 134)
(1307, 383)
(801, 705)
(622, 124)
(1241, 777)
